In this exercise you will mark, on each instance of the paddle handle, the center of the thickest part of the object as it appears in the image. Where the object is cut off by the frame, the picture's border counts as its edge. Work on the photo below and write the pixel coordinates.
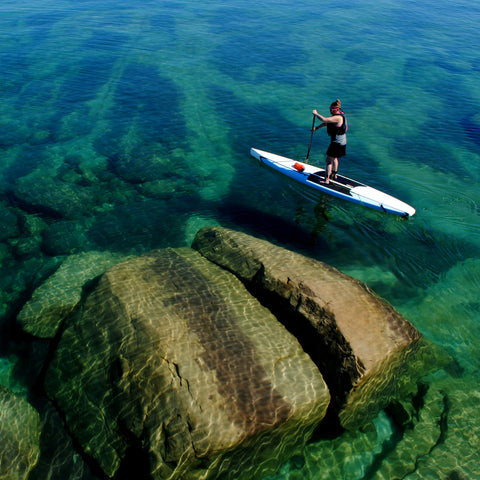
(311, 137)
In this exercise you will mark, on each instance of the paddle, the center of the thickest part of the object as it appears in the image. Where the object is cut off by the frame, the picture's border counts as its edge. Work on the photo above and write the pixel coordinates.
(311, 136)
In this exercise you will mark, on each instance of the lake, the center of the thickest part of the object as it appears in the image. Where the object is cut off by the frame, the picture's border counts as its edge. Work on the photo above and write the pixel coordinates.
(126, 126)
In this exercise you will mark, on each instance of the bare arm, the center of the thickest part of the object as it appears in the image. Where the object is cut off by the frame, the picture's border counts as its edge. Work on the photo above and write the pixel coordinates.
(338, 119)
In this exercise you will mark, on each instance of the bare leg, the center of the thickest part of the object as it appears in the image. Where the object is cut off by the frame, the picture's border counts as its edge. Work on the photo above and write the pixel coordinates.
(328, 168)
(334, 168)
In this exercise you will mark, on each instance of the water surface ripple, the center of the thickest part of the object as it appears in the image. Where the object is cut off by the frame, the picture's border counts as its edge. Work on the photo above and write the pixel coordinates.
(126, 126)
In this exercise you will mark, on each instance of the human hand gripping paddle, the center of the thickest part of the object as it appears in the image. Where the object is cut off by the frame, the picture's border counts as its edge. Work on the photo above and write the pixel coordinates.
(311, 137)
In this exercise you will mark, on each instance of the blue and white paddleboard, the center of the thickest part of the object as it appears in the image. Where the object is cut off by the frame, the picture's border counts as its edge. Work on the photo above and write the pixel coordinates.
(342, 187)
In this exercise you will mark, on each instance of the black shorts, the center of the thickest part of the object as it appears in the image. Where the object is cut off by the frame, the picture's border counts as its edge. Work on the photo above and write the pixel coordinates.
(336, 150)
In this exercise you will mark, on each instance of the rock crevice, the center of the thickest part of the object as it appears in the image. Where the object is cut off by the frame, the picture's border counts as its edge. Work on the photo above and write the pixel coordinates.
(358, 340)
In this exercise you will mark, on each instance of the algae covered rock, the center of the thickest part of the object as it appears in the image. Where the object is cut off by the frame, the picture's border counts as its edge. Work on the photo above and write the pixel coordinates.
(42, 315)
(443, 435)
(20, 429)
(171, 358)
(358, 340)
(44, 191)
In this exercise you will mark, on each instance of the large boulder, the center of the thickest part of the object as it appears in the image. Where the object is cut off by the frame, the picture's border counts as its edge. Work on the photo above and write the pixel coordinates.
(358, 340)
(170, 359)
(20, 430)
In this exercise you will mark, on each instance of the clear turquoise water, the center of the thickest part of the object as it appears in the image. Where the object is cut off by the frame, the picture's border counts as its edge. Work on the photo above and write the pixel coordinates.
(127, 125)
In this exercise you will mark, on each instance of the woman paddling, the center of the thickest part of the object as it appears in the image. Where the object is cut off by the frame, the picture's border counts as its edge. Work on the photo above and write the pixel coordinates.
(336, 128)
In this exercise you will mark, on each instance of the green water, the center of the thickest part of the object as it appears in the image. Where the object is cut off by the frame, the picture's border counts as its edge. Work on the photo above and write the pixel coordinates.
(126, 126)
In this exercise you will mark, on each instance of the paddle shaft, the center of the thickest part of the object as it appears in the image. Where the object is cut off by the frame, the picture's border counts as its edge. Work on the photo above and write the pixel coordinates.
(311, 137)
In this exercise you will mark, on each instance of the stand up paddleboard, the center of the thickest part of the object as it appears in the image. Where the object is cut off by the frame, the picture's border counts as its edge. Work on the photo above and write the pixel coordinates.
(342, 187)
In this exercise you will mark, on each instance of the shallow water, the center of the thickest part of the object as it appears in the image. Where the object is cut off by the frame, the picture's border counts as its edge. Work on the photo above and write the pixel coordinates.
(126, 126)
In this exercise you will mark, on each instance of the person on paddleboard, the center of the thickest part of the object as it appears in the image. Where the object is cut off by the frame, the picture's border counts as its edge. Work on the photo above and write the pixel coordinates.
(337, 128)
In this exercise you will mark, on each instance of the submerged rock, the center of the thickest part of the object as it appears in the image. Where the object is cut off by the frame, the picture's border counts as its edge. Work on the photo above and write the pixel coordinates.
(20, 429)
(170, 358)
(42, 315)
(443, 434)
(9, 225)
(56, 191)
(358, 340)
